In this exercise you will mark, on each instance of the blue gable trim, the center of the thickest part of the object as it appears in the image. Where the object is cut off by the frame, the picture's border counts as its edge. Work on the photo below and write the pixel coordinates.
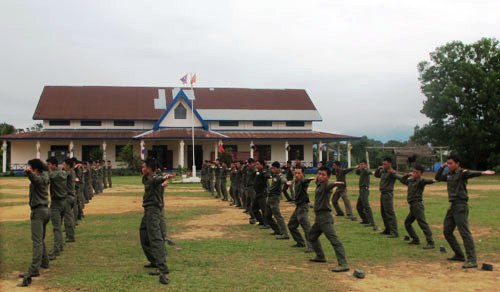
(178, 97)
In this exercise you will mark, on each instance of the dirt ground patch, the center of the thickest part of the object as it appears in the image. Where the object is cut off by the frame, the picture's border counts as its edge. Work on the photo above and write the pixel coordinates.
(418, 276)
(478, 232)
(36, 285)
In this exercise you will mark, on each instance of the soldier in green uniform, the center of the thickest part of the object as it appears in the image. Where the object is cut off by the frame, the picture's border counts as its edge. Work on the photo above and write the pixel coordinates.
(79, 185)
(204, 175)
(341, 191)
(38, 201)
(217, 173)
(235, 172)
(58, 204)
(110, 174)
(323, 223)
(223, 180)
(104, 174)
(93, 173)
(273, 203)
(152, 241)
(243, 186)
(416, 185)
(458, 213)
(260, 197)
(101, 175)
(288, 171)
(363, 204)
(211, 174)
(69, 220)
(250, 189)
(87, 182)
(387, 177)
(301, 214)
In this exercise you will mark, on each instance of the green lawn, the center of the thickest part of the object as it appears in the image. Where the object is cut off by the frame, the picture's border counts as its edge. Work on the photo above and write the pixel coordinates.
(107, 255)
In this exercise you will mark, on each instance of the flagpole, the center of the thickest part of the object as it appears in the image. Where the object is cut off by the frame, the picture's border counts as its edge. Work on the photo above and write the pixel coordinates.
(192, 131)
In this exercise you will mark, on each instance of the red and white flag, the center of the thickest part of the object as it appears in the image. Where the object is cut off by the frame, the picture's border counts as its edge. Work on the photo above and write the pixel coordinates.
(193, 79)
(184, 79)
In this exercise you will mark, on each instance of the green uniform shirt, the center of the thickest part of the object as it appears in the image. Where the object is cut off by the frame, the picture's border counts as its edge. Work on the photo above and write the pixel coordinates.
(340, 175)
(223, 173)
(58, 187)
(364, 178)
(211, 170)
(39, 185)
(415, 187)
(289, 173)
(217, 171)
(153, 191)
(261, 178)
(70, 182)
(276, 185)
(300, 188)
(322, 197)
(387, 179)
(457, 182)
(250, 177)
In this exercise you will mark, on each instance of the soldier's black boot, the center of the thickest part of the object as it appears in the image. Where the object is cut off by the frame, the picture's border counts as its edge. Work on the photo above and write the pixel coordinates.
(163, 279)
(25, 283)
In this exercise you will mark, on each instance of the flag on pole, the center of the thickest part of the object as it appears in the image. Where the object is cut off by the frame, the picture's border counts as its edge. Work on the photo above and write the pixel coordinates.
(184, 79)
(221, 148)
(193, 79)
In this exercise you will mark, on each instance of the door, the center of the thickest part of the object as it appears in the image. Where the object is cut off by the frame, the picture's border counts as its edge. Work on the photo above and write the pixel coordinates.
(198, 156)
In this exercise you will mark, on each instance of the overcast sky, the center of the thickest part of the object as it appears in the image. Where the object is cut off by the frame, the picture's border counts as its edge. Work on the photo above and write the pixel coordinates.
(356, 59)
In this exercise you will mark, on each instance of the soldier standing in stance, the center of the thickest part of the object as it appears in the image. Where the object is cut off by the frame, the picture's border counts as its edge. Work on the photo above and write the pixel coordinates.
(87, 182)
(260, 194)
(234, 189)
(416, 185)
(217, 173)
(79, 185)
(288, 171)
(101, 175)
(93, 173)
(323, 223)
(363, 204)
(242, 184)
(273, 203)
(211, 174)
(69, 220)
(341, 191)
(387, 177)
(152, 241)
(110, 174)
(301, 214)
(58, 204)
(458, 213)
(223, 181)
(38, 201)
(204, 175)
(104, 168)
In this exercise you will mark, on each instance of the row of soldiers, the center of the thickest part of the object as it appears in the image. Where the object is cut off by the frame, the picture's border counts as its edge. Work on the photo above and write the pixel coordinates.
(250, 190)
(71, 186)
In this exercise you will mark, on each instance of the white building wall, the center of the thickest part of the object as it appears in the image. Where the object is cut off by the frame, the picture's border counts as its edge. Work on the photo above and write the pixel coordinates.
(170, 121)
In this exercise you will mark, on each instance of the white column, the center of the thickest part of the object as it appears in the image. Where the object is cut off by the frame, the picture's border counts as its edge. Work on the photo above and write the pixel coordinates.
(38, 149)
(320, 152)
(349, 148)
(4, 157)
(71, 149)
(143, 150)
(286, 151)
(251, 149)
(104, 146)
(367, 159)
(181, 153)
(216, 151)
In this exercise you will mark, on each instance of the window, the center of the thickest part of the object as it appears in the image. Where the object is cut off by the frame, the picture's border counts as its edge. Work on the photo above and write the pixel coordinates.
(124, 123)
(295, 124)
(263, 152)
(296, 152)
(180, 112)
(262, 124)
(59, 123)
(90, 123)
(229, 124)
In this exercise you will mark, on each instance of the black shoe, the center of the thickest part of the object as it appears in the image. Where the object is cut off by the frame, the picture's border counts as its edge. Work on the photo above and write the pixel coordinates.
(252, 221)
(341, 268)
(318, 260)
(163, 279)
(297, 245)
(364, 223)
(29, 275)
(469, 265)
(457, 258)
(414, 242)
(393, 235)
(150, 265)
(429, 246)
(25, 283)
(46, 266)
(52, 257)
(385, 232)
(70, 240)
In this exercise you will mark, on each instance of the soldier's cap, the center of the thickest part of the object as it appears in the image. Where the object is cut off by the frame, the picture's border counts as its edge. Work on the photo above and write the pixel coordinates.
(487, 267)
(358, 273)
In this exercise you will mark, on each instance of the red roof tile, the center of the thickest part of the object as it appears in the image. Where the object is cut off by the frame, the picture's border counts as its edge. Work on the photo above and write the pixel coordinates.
(136, 103)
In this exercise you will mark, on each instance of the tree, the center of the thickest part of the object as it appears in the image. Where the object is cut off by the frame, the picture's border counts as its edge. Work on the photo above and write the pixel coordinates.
(462, 85)
(127, 155)
(5, 129)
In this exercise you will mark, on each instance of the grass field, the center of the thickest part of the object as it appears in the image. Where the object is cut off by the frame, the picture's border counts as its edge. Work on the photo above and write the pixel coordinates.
(217, 250)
